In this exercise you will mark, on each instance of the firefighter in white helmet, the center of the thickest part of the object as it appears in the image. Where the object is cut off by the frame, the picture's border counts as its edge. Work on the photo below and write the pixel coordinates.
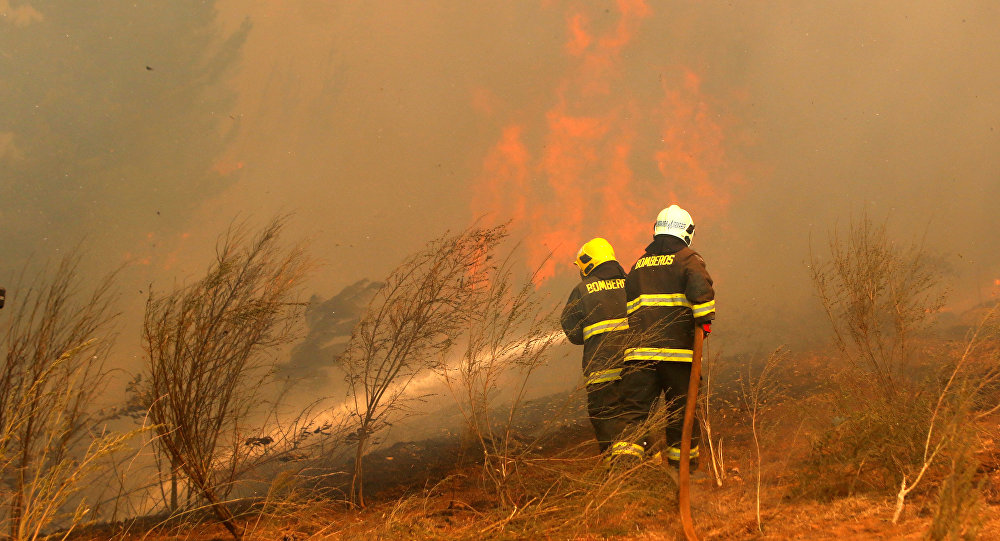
(669, 293)
(595, 318)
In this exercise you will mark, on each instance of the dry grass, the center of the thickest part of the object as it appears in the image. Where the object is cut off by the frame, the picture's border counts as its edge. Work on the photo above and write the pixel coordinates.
(566, 494)
(55, 339)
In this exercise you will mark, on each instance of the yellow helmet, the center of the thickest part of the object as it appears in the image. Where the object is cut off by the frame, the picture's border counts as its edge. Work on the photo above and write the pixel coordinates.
(592, 254)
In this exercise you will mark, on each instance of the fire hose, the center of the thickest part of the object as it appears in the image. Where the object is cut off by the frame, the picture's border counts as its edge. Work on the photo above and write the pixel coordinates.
(684, 475)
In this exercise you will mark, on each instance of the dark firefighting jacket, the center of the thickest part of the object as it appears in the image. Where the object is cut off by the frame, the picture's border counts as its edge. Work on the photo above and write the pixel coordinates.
(595, 317)
(668, 291)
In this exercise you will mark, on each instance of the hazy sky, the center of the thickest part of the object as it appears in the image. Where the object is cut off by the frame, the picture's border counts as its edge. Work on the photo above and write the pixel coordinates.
(146, 127)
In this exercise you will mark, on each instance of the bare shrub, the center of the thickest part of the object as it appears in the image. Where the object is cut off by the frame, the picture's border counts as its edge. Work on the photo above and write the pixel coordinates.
(877, 296)
(206, 345)
(55, 340)
(411, 324)
(899, 423)
(507, 339)
(967, 394)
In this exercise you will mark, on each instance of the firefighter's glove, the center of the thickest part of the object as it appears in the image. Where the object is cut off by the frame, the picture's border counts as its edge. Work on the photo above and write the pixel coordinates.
(707, 327)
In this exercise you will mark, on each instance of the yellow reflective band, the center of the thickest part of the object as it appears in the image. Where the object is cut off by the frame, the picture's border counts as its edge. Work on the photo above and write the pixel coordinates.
(620, 324)
(659, 354)
(664, 299)
(674, 453)
(602, 376)
(703, 309)
(627, 448)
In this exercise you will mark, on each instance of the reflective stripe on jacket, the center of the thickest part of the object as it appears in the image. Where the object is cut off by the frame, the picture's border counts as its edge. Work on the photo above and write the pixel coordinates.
(595, 317)
(668, 290)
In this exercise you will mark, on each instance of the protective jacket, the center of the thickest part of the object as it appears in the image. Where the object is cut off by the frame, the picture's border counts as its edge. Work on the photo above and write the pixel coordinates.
(668, 291)
(595, 317)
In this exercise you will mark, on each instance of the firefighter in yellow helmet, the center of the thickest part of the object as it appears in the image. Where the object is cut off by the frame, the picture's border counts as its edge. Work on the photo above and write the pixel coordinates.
(669, 294)
(595, 318)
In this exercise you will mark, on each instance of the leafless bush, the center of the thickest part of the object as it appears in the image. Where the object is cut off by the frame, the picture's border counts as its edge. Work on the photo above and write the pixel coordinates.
(966, 395)
(896, 419)
(877, 297)
(411, 324)
(206, 345)
(507, 339)
(55, 340)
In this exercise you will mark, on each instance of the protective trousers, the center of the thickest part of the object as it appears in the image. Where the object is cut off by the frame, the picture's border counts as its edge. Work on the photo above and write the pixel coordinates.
(641, 384)
(604, 409)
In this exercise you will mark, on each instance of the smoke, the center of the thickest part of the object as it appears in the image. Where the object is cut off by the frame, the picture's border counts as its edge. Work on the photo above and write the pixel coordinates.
(113, 117)
(22, 15)
(330, 323)
(146, 128)
(143, 129)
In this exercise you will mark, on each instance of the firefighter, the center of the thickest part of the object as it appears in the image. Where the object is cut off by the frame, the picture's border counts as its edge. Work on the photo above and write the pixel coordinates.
(594, 317)
(669, 292)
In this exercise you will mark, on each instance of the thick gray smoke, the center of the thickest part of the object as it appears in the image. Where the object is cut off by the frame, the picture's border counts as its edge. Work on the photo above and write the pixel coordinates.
(312, 364)
(145, 128)
(115, 116)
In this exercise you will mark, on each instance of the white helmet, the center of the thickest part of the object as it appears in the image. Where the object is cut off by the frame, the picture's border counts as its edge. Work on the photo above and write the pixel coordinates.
(675, 221)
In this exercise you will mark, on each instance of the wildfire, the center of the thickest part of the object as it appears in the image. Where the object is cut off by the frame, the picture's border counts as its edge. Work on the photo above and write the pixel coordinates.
(579, 180)
(160, 251)
(225, 167)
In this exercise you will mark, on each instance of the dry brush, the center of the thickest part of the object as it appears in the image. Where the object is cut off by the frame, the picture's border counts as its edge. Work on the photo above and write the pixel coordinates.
(207, 345)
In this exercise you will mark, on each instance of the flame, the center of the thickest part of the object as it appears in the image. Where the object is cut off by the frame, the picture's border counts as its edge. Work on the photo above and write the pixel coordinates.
(163, 252)
(578, 180)
(225, 167)
(692, 153)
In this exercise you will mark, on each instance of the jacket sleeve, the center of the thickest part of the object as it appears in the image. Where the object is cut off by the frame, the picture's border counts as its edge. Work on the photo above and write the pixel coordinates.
(699, 290)
(572, 318)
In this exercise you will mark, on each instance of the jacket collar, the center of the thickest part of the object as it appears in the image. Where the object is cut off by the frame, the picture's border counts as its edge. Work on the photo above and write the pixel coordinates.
(608, 269)
(665, 244)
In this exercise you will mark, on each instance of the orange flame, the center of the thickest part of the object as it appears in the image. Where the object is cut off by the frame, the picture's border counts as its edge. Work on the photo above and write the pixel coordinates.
(163, 252)
(225, 167)
(578, 181)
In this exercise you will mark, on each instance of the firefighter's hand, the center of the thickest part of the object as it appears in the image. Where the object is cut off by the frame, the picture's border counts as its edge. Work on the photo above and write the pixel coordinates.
(707, 327)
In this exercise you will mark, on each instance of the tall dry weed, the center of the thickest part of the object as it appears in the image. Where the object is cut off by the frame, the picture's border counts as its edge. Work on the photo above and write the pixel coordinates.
(55, 338)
